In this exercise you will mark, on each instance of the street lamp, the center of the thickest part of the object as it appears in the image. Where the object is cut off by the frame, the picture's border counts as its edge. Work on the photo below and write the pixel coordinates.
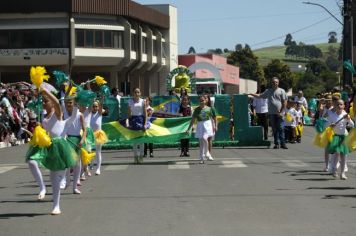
(317, 4)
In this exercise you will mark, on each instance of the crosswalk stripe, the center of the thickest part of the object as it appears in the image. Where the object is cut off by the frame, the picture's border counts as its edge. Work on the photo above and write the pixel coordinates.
(4, 169)
(294, 163)
(232, 164)
(116, 167)
(179, 165)
(353, 164)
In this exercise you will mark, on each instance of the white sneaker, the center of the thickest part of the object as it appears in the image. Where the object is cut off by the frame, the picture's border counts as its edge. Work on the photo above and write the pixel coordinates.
(343, 176)
(63, 185)
(210, 158)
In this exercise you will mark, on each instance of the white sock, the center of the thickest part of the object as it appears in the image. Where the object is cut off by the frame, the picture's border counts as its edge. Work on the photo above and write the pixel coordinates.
(76, 174)
(36, 173)
(56, 178)
(98, 157)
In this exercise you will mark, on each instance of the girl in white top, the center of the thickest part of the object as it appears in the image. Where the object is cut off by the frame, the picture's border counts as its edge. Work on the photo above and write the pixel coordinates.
(339, 120)
(95, 125)
(89, 138)
(73, 131)
(59, 154)
(137, 121)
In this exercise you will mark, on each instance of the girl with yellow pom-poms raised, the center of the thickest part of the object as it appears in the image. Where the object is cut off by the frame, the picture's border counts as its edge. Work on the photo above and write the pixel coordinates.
(55, 155)
(339, 121)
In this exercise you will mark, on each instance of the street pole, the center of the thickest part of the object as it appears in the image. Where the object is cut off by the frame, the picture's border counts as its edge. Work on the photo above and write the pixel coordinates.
(347, 41)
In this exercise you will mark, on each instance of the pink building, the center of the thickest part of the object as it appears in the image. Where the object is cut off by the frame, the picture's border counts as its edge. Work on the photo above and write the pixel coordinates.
(229, 74)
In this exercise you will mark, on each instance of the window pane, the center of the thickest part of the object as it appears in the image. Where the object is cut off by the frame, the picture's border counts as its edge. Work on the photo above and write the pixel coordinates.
(133, 42)
(155, 48)
(107, 39)
(4, 39)
(80, 38)
(121, 39)
(59, 38)
(41, 38)
(115, 39)
(16, 38)
(144, 45)
(98, 38)
(89, 38)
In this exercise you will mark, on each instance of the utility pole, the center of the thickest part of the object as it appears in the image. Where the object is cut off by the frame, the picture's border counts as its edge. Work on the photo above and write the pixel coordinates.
(347, 41)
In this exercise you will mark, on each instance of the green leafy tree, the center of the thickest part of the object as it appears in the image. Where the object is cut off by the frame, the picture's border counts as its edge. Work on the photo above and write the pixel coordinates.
(288, 40)
(332, 37)
(278, 69)
(191, 50)
(248, 64)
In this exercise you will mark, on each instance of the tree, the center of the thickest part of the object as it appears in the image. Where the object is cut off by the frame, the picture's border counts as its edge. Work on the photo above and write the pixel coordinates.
(226, 50)
(278, 69)
(191, 50)
(288, 40)
(332, 37)
(238, 47)
(248, 64)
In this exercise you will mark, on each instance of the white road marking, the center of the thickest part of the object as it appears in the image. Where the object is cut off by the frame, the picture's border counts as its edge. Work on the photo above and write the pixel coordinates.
(232, 164)
(179, 165)
(116, 167)
(4, 169)
(294, 163)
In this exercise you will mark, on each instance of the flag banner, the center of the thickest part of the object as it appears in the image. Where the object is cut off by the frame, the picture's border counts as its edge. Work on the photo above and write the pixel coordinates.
(162, 130)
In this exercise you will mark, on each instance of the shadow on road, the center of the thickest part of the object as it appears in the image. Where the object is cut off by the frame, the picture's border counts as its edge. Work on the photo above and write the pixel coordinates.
(17, 215)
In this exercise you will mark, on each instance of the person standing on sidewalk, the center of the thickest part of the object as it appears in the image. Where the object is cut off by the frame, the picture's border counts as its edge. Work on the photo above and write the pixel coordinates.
(260, 106)
(277, 101)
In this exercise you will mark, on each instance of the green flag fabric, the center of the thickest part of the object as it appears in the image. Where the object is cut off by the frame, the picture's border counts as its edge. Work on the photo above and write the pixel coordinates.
(162, 130)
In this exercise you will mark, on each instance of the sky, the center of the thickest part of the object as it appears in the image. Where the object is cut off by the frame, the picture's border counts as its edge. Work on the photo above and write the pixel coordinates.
(211, 24)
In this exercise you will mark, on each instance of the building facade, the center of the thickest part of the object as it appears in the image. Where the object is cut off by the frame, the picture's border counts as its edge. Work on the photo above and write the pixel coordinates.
(129, 44)
(229, 74)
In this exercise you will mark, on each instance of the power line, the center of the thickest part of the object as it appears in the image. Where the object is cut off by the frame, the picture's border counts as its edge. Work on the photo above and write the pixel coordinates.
(296, 31)
(249, 17)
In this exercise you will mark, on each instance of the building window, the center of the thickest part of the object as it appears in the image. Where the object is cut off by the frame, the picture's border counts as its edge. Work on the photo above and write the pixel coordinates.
(98, 38)
(34, 38)
(164, 54)
(108, 39)
(133, 42)
(144, 45)
(4, 39)
(79, 38)
(89, 38)
(155, 47)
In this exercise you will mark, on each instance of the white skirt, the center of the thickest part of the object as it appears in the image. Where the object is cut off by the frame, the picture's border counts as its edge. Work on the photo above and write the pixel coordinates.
(204, 129)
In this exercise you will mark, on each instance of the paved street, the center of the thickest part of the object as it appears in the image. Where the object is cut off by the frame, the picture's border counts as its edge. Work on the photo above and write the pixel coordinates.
(245, 191)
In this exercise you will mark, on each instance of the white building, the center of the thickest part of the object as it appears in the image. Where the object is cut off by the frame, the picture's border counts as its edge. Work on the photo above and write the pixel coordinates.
(129, 44)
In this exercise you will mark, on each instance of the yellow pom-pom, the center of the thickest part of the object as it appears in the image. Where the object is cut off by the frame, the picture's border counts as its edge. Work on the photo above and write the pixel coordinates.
(100, 80)
(100, 137)
(289, 117)
(329, 132)
(40, 137)
(86, 156)
(37, 75)
(351, 140)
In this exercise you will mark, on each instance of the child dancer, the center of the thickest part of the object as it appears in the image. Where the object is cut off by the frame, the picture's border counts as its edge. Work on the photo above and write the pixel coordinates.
(290, 122)
(210, 103)
(73, 130)
(137, 121)
(89, 140)
(100, 136)
(205, 127)
(150, 111)
(59, 155)
(185, 110)
(339, 121)
(300, 122)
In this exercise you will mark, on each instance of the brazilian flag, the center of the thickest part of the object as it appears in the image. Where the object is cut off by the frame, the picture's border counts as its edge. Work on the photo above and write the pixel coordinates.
(162, 130)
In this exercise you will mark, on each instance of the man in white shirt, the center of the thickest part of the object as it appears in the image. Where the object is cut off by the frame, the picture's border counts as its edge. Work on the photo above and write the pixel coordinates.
(260, 106)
